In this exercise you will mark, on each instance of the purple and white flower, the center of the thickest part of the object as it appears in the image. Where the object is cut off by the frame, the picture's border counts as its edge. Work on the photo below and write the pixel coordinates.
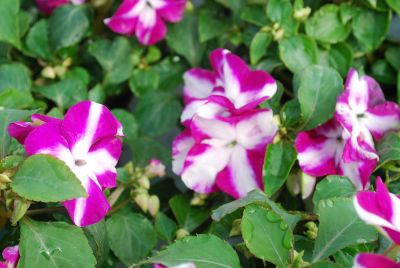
(145, 18)
(87, 140)
(380, 208)
(367, 260)
(10, 256)
(363, 111)
(47, 6)
(320, 153)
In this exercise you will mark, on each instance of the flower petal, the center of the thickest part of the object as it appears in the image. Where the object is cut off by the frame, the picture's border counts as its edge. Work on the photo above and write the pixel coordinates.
(11, 255)
(85, 124)
(358, 172)
(102, 159)
(150, 28)
(367, 260)
(356, 92)
(85, 211)
(382, 118)
(243, 172)
(180, 147)
(20, 130)
(171, 11)
(202, 165)
(199, 84)
(204, 128)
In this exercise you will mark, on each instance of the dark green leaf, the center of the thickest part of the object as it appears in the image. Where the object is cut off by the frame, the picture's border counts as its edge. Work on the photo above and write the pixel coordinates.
(15, 76)
(165, 227)
(37, 41)
(9, 29)
(97, 238)
(383, 72)
(389, 148)
(128, 122)
(259, 46)
(210, 25)
(340, 57)
(143, 81)
(392, 55)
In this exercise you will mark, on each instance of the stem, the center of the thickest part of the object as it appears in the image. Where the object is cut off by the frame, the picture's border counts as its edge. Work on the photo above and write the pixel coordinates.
(120, 205)
(45, 211)
(389, 249)
(115, 195)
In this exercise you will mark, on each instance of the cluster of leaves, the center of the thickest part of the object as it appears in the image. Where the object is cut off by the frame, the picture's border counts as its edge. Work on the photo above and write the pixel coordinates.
(47, 64)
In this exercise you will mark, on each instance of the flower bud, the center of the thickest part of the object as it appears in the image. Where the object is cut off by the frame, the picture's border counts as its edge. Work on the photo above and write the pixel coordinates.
(4, 179)
(307, 185)
(142, 200)
(153, 205)
(155, 168)
(312, 230)
(20, 208)
(67, 62)
(236, 228)
(144, 182)
(181, 233)
(48, 72)
(60, 71)
(302, 14)
(129, 168)
(198, 199)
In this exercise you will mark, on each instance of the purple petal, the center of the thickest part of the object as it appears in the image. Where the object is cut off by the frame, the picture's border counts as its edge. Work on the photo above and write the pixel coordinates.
(86, 211)
(47, 6)
(243, 172)
(358, 172)
(367, 260)
(180, 147)
(11, 256)
(20, 130)
(202, 165)
(356, 92)
(393, 235)
(357, 149)
(382, 118)
(150, 28)
(87, 123)
(125, 18)
(172, 10)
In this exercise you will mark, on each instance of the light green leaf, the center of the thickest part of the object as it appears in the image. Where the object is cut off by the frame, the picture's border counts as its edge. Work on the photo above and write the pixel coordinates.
(68, 25)
(267, 235)
(131, 236)
(53, 244)
(389, 148)
(47, 179)
(259, 45)
(205, 251)
(319, 88)
(281, 12)
(15, 76)
(325, 25)
(279, 160)
(395, 5)
(143, 81)
(37, 41)
(298, 52)
(128, 122)
(9, 22)
(339, 227)
(187, 216)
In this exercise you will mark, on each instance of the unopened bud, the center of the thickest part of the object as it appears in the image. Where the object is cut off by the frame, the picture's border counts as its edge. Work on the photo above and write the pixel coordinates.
(302, 14)
(312, 231)
(307, 185)
(49, 72)
(60, 71)
(67, 62)
(153, 205)
(142, 200)
(20, 208)
(4, 179)
(181, 233)
(278, 34)
(98, 3)
(129, 168)
(155, 168)
(198, 199)
(235, 228)
(144, 182)
(293, 184)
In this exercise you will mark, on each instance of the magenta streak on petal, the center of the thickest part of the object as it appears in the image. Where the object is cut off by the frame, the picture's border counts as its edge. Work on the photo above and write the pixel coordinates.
(20, 130)
(199, 84)
(382, 118)
(173, 10)
(367, 260)
(383, 199)
(180, 147)
(150, 28)
(86, 211)
(11, 256)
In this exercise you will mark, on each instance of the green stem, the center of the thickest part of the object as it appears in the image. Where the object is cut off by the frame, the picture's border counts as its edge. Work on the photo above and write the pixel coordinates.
(116, 194)
(45, 211)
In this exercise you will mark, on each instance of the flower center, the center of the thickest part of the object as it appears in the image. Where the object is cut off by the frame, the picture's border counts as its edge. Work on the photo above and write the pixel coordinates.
(80, 162)
(360, 115)
(232, 144)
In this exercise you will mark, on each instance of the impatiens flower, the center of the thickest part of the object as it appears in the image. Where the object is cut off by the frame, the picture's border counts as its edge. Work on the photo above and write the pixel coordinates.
(231, 88)
(87, 140)
(156, 168)
(180, 147)
(145, 18)
(381, 209)
(47, 6)
(362, 110)
(320, 153)
(11, 257)
(228, 153)
(366, 260)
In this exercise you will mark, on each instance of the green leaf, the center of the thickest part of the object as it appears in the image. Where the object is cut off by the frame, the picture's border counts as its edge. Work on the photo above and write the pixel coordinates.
(184, 39)
(340, 57)
(279, 161)
(128, 122)
(9, 21)
(157, 113)
(348, 11)
(15, 76)
(47, 179)
(254, 14)
(165, 227)
(53, 244)
(145, 148)
(235, 5)
(13, 98)
(389, 148)
(170, 73)
(205, 251)
(298, 52)
(259, 45)
(383, 72)
(210, 25)
(267, 235)
(395, 5)
(187, 216)
(332, 186)
(65, 93)
(143, 81)
(392, 55)
(97, 238)
(8, 116)
(68, 25)
(370, 28)
(339, 227)
(131, 236)
(325, 25)
(319, 88)
(115, 57)
(255, 197)
(281, 12)
(37, 41)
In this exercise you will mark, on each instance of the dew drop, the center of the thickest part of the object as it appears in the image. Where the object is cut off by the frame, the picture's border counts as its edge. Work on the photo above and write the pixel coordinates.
(287, 240)
(272, 217)
(283, 225)
(329, 203)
